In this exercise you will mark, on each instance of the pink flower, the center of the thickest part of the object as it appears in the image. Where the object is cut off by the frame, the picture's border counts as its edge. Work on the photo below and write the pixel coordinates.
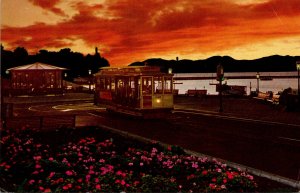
(31, 182)
(37, 166)
(119, 173)
(65, 187)
(79, 180)
(50, 159)
(204, 173)
(51, 174)
(141, 164)
(41, 188)
(123, 182)
(195, 165)
(101, 160)
(87, 177)
(91, 172)
(69, 173)
(250, 177)
(98, 187)
(130, 164)
(96, 180)
(35, 172)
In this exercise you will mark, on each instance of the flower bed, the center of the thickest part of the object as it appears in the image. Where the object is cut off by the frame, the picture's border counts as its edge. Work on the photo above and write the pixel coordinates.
(59, 161)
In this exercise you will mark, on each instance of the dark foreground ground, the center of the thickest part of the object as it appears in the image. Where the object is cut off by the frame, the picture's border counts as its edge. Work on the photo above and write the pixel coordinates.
(236, 107)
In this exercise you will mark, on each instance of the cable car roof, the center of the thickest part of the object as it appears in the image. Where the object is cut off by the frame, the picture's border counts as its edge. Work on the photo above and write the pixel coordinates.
(131, 71)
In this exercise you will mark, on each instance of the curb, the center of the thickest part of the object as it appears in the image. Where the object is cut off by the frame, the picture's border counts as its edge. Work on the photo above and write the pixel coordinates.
(257, 172)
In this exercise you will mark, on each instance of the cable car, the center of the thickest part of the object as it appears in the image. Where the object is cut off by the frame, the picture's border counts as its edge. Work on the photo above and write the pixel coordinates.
(142, 91)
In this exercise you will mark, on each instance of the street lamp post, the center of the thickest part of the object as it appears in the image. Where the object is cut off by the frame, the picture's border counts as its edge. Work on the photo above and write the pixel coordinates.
(220, 76)
(90, 72)
(298, 69)
(257, 78)
(65, 85)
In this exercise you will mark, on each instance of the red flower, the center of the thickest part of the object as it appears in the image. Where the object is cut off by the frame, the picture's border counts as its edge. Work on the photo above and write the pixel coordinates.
(47, 190)
(77, 187)
(169, 148)
(98, 187)
(204, 173)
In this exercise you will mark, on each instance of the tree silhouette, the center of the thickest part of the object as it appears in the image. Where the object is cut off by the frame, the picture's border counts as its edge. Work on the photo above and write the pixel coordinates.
(76, 63)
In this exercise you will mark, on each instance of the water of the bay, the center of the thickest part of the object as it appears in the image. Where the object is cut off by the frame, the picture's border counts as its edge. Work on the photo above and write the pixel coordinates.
(275, 85)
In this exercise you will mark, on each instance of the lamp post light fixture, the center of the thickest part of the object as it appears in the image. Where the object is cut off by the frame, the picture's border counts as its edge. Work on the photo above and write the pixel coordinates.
(90, 81)
(257, 78)
(298, 69)
(220, 77)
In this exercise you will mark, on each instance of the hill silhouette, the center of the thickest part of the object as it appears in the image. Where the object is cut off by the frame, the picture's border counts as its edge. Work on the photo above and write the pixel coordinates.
(273, 63)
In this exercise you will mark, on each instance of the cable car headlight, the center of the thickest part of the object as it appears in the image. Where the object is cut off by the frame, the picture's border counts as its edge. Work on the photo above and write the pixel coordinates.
(158, 100)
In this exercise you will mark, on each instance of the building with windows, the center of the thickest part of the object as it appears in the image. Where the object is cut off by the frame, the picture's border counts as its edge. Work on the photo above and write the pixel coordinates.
(36, 79)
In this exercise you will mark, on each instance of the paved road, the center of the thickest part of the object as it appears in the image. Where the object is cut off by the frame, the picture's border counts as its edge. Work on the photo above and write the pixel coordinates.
(265, 144)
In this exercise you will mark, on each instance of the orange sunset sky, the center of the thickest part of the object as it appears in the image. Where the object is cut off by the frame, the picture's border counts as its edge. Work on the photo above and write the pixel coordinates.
(126, 31)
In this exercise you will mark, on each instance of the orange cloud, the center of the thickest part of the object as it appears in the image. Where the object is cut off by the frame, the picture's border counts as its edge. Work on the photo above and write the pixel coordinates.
(131, 30)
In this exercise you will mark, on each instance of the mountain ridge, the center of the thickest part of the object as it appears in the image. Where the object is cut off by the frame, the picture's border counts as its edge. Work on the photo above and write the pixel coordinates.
(274, 63)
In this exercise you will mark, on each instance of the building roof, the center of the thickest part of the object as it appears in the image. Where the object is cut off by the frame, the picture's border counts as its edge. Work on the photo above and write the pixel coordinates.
(37, 66)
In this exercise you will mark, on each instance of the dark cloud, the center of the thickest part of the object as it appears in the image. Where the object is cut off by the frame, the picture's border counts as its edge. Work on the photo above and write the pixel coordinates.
(49, 5)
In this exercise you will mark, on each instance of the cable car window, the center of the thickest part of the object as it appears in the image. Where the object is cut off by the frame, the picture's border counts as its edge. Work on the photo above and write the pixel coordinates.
(157, 84)
(167, 85)
(147, 85)
(113, 84)
(107, 84)
(102, 83)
